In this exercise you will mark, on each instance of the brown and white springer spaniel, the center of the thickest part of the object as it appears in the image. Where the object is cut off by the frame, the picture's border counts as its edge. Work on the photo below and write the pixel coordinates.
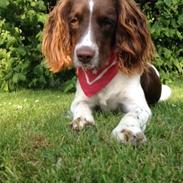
(110, 46)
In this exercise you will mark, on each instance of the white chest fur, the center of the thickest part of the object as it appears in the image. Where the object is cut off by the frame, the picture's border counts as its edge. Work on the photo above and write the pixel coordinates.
(118, 92)
(120, 89)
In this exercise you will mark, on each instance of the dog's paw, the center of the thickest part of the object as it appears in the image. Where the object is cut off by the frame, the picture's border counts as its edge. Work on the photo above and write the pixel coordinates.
(79, 123)
(127, 136)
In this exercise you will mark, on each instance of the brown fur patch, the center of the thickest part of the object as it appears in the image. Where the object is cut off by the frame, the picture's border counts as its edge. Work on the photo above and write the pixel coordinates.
(151, 85)
(134, 45)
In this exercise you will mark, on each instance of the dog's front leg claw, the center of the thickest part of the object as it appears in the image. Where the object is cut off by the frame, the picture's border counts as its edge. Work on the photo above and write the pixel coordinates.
(127, 136)
(79, 123)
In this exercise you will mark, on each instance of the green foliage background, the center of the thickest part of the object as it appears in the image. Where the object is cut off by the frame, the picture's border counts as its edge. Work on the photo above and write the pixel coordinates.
(21, 25)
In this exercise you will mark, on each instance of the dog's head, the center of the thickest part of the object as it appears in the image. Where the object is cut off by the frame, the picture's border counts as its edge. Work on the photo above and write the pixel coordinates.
(85, 33)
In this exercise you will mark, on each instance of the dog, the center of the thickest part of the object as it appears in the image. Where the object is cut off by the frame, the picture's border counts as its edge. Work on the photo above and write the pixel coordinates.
(111, 48)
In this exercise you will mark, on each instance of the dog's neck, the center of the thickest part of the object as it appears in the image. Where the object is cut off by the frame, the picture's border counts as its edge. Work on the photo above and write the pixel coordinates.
(93, 81)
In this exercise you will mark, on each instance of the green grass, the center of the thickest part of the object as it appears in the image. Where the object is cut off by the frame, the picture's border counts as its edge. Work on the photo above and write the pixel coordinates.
(36, 144)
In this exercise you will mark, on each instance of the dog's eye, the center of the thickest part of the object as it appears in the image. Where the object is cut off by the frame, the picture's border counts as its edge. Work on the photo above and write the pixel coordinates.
(106, 22)
(74, 21)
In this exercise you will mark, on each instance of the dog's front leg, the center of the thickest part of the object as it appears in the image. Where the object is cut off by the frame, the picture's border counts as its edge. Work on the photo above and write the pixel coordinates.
(81, 110)
(130, 129)
(82, 115)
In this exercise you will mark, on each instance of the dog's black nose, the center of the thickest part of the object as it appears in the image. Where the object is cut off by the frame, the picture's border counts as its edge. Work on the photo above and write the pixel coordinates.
(85, 54)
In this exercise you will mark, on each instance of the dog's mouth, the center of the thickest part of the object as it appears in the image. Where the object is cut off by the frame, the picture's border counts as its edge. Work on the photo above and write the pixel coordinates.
(90, 66)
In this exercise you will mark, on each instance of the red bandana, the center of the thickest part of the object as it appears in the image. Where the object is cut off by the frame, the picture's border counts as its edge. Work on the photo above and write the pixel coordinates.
(92, 81)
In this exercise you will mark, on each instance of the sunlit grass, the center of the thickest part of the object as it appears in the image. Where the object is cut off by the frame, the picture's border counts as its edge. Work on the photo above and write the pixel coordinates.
(36, 144)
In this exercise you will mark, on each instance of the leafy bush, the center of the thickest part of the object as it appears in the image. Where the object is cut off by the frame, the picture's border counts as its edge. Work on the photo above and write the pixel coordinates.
(166, 26)
(21, 65)
(21, 25)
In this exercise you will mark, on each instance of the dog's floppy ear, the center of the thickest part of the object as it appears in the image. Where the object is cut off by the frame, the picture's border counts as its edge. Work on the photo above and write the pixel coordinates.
(133, 41)
(56, 46)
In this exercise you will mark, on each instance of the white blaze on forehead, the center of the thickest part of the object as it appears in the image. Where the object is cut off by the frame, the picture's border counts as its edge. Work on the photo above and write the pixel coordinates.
(87, 38)
(91, 4)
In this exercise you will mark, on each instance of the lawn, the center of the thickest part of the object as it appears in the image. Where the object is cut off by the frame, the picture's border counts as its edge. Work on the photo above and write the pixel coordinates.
(37, 146)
